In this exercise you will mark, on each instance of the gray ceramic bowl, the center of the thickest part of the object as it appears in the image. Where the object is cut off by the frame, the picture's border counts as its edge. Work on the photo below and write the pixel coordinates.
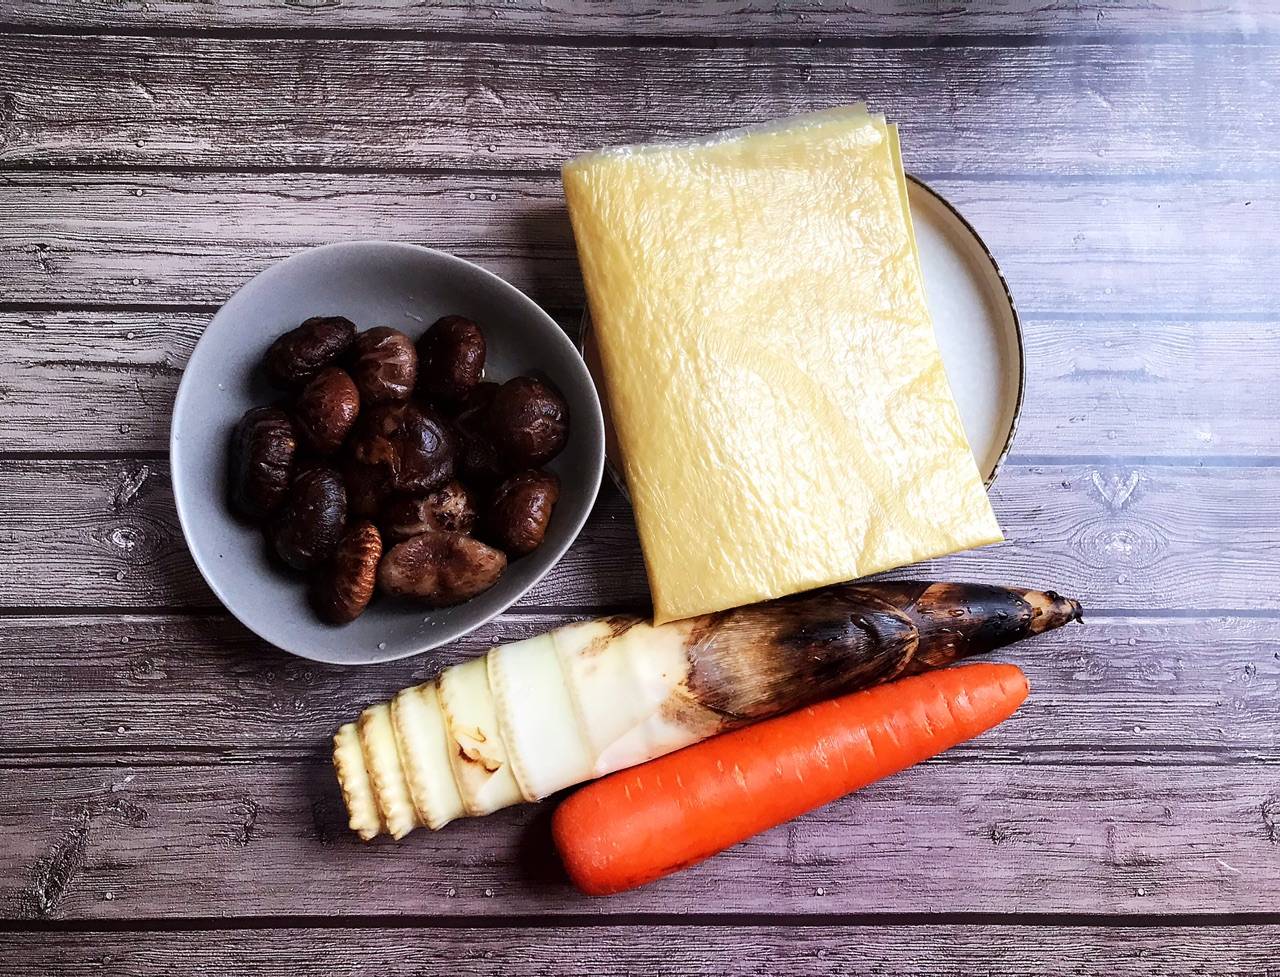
(372, 283)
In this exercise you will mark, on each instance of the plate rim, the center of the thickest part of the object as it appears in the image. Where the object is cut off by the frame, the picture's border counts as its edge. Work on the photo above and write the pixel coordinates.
(585, 329)
(1020, 398)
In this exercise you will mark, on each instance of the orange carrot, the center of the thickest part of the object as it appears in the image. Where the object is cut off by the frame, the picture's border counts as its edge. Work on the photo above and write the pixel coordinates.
(641, 824)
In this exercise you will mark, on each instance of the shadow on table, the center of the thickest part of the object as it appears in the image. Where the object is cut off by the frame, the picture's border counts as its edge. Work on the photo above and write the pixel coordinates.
(537, 864)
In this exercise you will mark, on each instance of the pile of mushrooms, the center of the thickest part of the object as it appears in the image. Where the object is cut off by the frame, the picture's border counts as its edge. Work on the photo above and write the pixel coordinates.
(396, 467)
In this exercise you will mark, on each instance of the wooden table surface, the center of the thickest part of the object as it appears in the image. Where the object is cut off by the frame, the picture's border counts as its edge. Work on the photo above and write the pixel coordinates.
(166, 803)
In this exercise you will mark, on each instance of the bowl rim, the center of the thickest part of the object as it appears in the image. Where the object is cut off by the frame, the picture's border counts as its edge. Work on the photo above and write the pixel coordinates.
(591, 479)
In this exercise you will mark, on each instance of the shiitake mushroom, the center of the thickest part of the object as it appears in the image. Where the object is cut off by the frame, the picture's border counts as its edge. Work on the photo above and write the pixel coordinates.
(411, 445)
(528, 422)
(440, 568)
(263, 447)
(398, 462)
(424, 443)
(371, 441)
(520, 511)
(310, 523)
(342, 590)
(301, 353)
(384, 365)
(368, 487)
(477, 458)
(478, 398)
(327, 409)
(371, 461)
(450, 359)
(451, 507)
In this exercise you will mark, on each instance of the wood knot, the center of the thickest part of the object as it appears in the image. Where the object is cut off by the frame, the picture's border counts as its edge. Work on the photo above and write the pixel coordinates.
(1271, 818)
(57, 867)
(246, 813)
(128, 485)
(999, 834)
(1116, 488)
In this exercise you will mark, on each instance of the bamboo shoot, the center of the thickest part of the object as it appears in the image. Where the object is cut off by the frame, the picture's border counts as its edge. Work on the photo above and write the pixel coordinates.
(534, 717)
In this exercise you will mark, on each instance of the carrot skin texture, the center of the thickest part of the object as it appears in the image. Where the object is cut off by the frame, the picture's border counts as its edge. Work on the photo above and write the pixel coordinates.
(641, 824)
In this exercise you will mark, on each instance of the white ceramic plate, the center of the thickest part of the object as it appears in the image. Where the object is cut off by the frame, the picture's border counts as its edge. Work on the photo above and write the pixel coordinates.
(973, 316)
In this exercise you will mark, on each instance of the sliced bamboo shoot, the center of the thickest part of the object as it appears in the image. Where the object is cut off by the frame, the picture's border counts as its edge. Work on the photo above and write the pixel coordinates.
(378, 740)
(477, 753)
(539, 715)
(353, 779)
(626, 678)
(423, 745)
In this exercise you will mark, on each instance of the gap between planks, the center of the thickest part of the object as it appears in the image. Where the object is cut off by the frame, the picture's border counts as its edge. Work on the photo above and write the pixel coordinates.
(1120, 460)
(573, 314)
(1148, 756)
(1056, 920)
(1090, 379)
(127, 683)
(624, 22)
(1147, 537)
(660, 944)
(796, 40)
(36, 166)
(428, 104)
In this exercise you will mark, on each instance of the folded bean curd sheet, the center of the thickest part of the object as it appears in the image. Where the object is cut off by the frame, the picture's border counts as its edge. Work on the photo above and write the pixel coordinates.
(780, 402)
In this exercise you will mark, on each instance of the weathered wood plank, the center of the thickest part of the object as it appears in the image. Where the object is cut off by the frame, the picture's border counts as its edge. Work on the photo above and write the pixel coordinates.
(112, 376)
(197, 237)
(730, 20)
(1142, 387)
(1095, 248)
(923, 950)
(123, 842)
(1071, 109)
(104, 534)
(92, 381)
(1127, 386)
(1158, 688)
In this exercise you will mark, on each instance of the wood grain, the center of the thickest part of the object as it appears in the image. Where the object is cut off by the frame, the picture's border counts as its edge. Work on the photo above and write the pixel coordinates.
(921, 950)
(1048, 110)
(1150, 386)
(624, 20)
(105, 534)
(1096, 248)
(92, 381)
(1158, 689)
(175, 841)
(1124, 386)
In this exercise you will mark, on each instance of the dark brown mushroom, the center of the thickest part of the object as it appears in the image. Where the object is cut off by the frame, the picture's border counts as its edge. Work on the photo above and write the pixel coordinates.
(450, 359)
(384, 365)
(451, 508)
(301, 353)
(309, 525)
(263, 448)
(521, 510)
(368, 487)
(528, 422)
(342, 590)
(477, 458)
(424, 444)
(327, 409)
(371, 461)
(440, 569)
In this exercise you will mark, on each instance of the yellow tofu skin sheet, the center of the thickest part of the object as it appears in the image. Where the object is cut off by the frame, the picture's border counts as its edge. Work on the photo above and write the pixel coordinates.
(778, 394)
